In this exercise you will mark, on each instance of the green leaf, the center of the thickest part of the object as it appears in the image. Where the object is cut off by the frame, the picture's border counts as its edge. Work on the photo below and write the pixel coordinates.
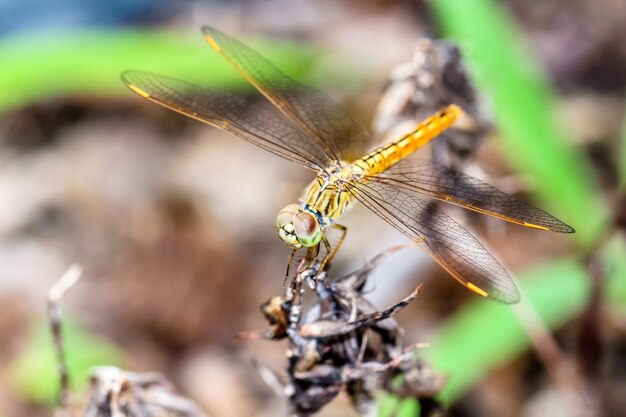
(34, 374)
(88, 63)
(408, 407)
(483, 335)
(387, 405)
(523, 103)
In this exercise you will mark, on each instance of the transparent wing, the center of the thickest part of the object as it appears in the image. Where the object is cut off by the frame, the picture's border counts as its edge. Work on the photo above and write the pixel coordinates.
(256, 121)
(447, 242)
(425, 177)
(319, 117)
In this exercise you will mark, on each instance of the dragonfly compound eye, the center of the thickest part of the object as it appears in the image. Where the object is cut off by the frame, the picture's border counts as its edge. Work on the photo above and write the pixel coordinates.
(307, 229)
(287, 214)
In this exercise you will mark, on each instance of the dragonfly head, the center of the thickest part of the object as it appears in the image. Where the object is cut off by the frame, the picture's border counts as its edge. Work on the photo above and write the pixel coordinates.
(298, 228)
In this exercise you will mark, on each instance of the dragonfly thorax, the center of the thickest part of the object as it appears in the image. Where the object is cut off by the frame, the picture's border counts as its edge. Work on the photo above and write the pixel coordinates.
(327, 195)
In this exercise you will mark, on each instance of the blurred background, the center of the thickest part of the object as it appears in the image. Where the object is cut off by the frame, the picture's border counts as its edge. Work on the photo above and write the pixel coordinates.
(172, 219)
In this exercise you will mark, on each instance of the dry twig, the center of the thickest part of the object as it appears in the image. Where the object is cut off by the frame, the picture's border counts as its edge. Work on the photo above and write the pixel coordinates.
(114, 391)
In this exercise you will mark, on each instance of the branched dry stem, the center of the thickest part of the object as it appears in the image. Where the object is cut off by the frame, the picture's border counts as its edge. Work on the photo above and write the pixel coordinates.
(341, 343)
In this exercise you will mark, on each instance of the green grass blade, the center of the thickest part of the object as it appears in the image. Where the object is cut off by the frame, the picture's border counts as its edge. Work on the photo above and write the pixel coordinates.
(88, 63)
(486, 335)
(523, 103)
(408, 407)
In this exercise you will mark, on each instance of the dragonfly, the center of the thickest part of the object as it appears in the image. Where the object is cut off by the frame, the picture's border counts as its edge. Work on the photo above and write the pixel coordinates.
(305, 126)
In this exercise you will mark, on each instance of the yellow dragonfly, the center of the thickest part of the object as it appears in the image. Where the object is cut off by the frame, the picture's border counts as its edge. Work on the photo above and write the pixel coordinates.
(305, 126)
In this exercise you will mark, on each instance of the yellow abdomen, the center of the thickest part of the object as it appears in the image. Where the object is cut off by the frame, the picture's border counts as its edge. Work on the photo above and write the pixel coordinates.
(380, 159)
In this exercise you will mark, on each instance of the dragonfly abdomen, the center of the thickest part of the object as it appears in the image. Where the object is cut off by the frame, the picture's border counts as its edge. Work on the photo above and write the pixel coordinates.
(380, 159)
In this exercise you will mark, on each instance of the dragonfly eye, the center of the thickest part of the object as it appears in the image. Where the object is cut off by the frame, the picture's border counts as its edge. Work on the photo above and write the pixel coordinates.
(287, 214)
(307, 229)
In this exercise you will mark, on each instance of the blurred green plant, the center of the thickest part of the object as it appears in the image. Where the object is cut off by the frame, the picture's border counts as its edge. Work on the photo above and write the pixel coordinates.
(485, 335)
(523, 105)
(467, 347)
(391, 406)
(34, 375)
(387, 405)
(88, 63)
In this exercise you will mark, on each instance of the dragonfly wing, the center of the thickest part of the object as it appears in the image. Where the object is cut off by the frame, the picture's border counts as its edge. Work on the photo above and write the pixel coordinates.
(456, 188)
(256, 121)
(318, 116)
(446, 241)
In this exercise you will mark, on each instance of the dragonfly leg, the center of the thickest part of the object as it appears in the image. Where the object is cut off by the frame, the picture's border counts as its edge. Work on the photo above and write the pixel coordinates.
(306, 263)
(309, 266)
(331, 252)
(293, 252)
